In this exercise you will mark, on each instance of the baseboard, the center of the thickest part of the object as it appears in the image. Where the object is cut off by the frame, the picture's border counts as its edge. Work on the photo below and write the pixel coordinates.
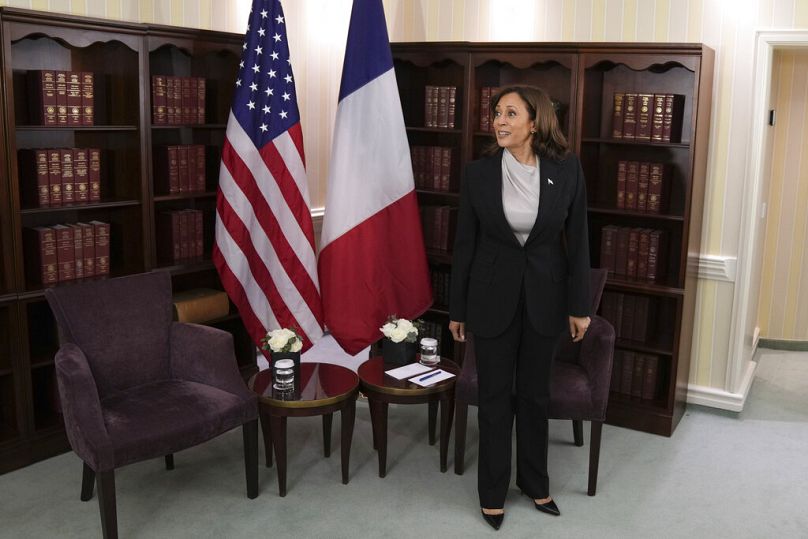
(784, 344)
(720, 398)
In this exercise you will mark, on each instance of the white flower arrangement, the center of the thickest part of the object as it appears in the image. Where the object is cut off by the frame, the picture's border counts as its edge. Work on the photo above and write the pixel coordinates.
(400, 329)
(282, 340)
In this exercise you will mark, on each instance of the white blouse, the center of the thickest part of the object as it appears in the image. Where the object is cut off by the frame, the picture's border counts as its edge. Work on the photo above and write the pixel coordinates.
(521, 187)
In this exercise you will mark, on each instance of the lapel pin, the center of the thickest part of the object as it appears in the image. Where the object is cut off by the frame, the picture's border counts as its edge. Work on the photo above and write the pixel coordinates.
(550, 181)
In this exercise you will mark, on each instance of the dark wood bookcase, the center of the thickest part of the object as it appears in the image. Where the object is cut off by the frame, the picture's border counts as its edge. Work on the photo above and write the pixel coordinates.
(122, 57)
(582, 78)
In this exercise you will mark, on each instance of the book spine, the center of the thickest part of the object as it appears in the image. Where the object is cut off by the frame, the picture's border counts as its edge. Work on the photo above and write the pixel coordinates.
(621, 251)
(73, 98)
(55, 176)
(452, 99)
(637, 380)
(42, 95)
(655, 188)
(632, 184)
(485, 105)
(617, 115)
(642, 186)
(617, 369)
(40, 255)
(621, 184)
(649, 381)
(199, 174)
(631, 260)
(88, 248)
(629, 116)
(443, 106)
(428, 106)
(32, 168)
(654, 255)
(159, 115)
(185, 234)
(201, 88)
(65, 253)
(182, 168)
(672, 118)
(81, 179)
(445, 169)
(61, 97)
(78, 250)
(644, 112)
(102, 247)
(199, 231)
(607, 248)
(639, 333)
(642, 253)
(657, 117)
(627, 320)
(186, 103)
(94, 173)
(67, 176)
(627, 375)
(87, 98)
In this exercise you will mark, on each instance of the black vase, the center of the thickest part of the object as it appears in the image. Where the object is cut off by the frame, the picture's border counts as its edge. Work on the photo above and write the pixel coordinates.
(398, 353)
(294, 356)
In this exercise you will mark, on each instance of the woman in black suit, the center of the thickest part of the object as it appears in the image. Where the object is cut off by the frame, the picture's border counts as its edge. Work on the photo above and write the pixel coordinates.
(520, 276)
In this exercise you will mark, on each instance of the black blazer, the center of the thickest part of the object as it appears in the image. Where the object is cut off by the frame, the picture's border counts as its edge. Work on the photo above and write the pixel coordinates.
(489, 266)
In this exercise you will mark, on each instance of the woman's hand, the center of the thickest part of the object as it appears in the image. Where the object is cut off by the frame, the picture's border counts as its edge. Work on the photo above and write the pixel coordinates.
(458, 330)
(578, 326)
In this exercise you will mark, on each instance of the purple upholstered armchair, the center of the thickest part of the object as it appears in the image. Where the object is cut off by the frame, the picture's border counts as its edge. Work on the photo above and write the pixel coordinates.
(134, 385)
(579, 385)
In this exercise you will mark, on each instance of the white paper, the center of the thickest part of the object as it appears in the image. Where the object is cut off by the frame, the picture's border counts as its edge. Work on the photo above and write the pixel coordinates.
(434, 377)
(408, 370)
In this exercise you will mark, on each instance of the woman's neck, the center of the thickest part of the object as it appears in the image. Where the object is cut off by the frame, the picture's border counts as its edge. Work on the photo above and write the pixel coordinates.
(524, 155)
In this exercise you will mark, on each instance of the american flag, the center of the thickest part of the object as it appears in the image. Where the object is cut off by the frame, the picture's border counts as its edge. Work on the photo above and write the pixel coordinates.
(264, 250)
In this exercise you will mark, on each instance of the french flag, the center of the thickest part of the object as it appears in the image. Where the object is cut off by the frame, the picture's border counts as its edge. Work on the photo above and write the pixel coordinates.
(372, 262)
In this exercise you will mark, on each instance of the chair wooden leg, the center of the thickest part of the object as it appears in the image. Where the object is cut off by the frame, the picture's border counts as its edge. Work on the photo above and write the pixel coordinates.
(105, 483)
(327, 420)
(87, 481)
(433, 420)
(461, 418)
(170, 461)
(250, 435)
(594, 456)
(578, 432)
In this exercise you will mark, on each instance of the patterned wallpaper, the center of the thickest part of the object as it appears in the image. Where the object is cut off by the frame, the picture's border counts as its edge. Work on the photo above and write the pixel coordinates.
(317, 30)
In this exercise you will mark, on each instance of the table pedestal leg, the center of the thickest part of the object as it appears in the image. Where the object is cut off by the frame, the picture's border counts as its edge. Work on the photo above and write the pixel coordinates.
(379, 417)
(347, 415)
(278, 429)
(433, 416)
(265, 430)
(446, 413)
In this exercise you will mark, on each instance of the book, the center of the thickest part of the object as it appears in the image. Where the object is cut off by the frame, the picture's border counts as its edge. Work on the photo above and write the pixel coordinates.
(87, 98)
(641, 312)
(182, 169)
(621, 251)
(607, 248)
(629, 116)
(198, 250)
(65, 253)
(672, 118)
(617, 115)
(41, 86)
(61, 97)
(88, 248)
(430, 106)
(200, 305)
(650, 376)
(66, 155)
(631, 259)
(657, 116)
(621, 184)
(198, 170)
(632, 184)
(627, 374)
(655, 256)
(627, 320)
(201, 90)
(168, 244)
(637, 378)
(32, 166)
(41, 264)
(643, 245)
(158, 92)
(485, 106)
(642, 186)
(94, 173)
(74, 97)
(102, 241)
(617, 369)
(55, 176)
(166, 170)
(658, 185)
(443, 107)
(644, 112)
(78, 250)
(81, 178)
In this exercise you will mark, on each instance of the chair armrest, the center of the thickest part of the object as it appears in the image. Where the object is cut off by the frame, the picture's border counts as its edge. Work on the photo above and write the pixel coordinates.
(81, 408)
(595, 357)
(205, 354)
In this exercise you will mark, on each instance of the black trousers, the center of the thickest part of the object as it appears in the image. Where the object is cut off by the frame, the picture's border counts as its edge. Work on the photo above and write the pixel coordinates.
(513, 373)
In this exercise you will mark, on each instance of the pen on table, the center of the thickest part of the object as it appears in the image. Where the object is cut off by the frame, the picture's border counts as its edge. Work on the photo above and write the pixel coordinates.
(430, 375)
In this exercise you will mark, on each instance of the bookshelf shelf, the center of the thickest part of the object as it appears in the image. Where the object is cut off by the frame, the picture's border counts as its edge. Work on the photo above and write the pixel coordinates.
(582, 79)
(122, 57)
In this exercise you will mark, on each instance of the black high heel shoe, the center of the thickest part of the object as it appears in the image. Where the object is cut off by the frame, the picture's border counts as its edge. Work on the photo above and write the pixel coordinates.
(495, 521)
(548, 507)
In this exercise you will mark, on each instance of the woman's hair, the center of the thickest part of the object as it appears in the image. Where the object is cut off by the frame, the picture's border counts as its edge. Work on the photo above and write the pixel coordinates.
(548, 140)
